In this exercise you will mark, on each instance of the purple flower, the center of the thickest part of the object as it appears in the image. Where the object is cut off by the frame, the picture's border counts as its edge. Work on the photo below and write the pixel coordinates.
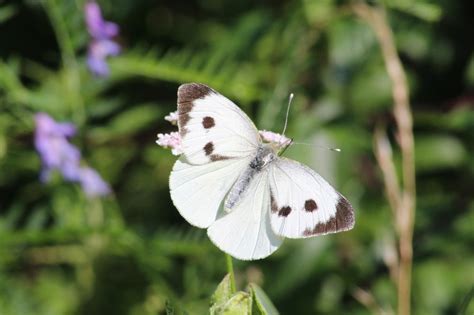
(101, 45)
(92, 184)
(56, 153)
(98, 52)
(51, 142)
(98, 28)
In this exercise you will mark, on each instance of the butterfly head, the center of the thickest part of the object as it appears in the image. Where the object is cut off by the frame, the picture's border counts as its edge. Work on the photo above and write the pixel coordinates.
(279, 143)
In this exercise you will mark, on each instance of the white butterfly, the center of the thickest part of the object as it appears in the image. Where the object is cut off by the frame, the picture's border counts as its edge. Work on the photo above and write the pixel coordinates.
(235, 185)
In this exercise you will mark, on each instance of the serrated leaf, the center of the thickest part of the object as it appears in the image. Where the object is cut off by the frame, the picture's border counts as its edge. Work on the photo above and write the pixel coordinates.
(234, 80)
(261, 302)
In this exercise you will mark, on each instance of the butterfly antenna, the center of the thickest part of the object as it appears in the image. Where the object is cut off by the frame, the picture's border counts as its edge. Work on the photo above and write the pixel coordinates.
(319, 146)
(287, 113)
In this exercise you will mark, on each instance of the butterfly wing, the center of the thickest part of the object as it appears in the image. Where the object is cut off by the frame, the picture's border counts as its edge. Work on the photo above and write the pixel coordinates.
(245, 232)
(218, 141)
(198, 191)
(212, 127)
(303, 204)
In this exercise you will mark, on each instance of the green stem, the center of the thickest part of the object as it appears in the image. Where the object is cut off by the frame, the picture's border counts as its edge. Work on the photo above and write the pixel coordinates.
(68, 58)
(62, 35)
(230, 271)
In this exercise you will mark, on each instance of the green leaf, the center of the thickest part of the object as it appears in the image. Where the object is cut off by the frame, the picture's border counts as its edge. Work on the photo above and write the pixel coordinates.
(3, 146)
(223, 291)
(424, 10)
(350, 41)
(466, 302)
(438, 151)
(6, 12)
(128, 122)
(261, 302)
(371, 90)
(239, 304)
(470, 71)
(186, 65)
(455, 275)
(319, 11)
(169, 308)
(224, 303)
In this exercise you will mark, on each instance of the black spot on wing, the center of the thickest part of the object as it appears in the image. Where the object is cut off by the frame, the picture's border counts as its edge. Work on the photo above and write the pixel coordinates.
(208, 148)
(342, 221)
(208, 122)
(284, 211)
(310, 205)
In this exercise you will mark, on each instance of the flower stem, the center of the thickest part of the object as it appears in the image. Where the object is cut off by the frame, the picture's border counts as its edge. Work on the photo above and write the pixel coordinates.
(403, 199)
(230, 271)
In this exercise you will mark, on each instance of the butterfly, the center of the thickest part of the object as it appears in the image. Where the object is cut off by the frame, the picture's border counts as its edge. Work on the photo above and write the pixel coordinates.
(231, 182)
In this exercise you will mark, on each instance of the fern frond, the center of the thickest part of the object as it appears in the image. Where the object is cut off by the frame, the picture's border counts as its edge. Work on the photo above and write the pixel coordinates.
(185, 65)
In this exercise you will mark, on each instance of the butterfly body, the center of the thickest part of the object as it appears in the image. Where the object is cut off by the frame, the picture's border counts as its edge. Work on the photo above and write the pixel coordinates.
(265, 155)
(238, 187)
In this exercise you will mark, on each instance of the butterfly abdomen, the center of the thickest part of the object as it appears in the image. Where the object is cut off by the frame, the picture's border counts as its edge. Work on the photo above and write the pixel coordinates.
(264, 156)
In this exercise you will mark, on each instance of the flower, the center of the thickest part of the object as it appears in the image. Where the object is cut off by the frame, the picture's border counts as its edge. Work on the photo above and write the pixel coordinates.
(98, 52)
(92, 184)
(172, 117)
(56, 153)
(51, 142)
(273, 137)
(98, 28)
(170, 140)
(102, 44)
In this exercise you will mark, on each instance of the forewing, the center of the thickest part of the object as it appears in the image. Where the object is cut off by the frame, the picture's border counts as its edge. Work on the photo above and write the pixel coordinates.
(198, 191)
(212, 127)
(303, 204)
(245, 233)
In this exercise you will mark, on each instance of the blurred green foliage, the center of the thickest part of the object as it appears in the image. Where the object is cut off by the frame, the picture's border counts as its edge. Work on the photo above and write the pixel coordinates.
(131, 253)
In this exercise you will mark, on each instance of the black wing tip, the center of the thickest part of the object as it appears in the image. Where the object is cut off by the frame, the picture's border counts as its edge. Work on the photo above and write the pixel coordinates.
(189, 92)
(343, 221)
(344, 214)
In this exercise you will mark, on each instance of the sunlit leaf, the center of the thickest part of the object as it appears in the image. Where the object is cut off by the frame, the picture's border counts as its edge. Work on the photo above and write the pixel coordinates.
(262, 305)
(438, 151)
